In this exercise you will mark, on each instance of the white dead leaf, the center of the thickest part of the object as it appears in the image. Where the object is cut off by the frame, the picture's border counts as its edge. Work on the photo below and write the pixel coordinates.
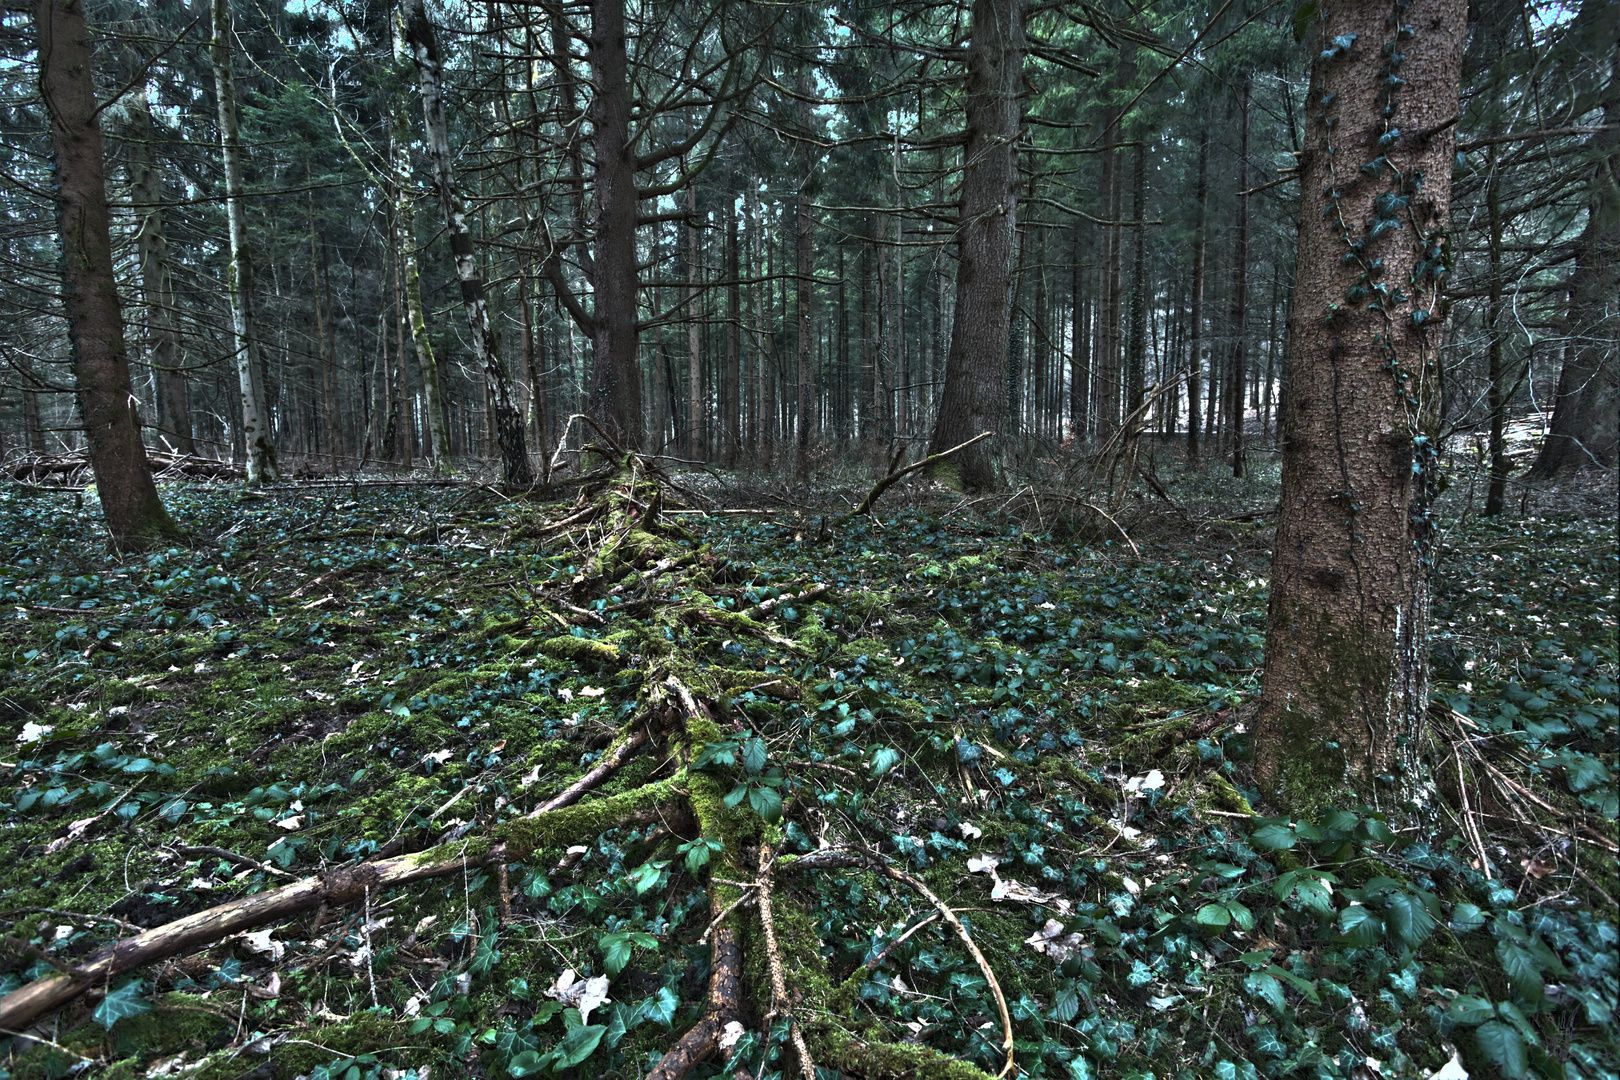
(423, 923)
(591, 691)
(898, 985)
(200, 883)
(63, 933)
(464, 983)
(983, 864)
(438, 757)
(166, 1066)
(577, 850)
(379, 924)
(75, 830)
(292, 824)
(584, 996)
(1151, 782)
(32, 732)
(530, 777)
(414, 1005)
(734, 1031)
(970, 831)
(566, 694)
(259, 942)
(1013, 890)
(1451, 1070)
(271, 989)
(199, 668)
(1131, 887)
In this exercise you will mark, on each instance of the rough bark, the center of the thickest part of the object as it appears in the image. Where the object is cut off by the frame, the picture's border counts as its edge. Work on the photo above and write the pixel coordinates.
(129, 500)
(804, 267)
(731, 382)
(974, 394)
(1237, 365)
(1346, 682)
(157, 283)
(258, 444)
(405, 214)
(328, 394)
(1585, 426)
(419, 35)
(694, 332)
(1195, 361)
(1080, 345)
(615, 400)
(1136, 373)
(1496, 385)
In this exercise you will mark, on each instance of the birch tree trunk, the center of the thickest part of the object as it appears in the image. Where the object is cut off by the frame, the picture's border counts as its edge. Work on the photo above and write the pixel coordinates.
(424, 45)
(258, 443)
(1346, 680)
(129, 500)
(975, 395)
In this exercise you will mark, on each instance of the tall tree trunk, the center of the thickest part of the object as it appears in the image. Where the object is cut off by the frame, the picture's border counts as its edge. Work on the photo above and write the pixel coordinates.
(731, 382)
(1586, 416)
(515, 471)
(157, 284)
(1136, 375)
(317, 266)
(615, 380)
(1237, 366)
(804, 267)
(974, 396)
(258, 444)
(694, 332)
(1195, 359)
(1079, 343)
(1496, 375)
(1346, 682)
(404, 193)
(129, 500)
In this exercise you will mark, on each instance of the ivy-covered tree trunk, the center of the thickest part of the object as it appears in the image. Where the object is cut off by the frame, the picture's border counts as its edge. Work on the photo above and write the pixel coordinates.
(129, 500)
(515, 471)
(152, 247)
(405, 215)
(258, 444)
(1346, 682)
(975, 368)
(615, 376)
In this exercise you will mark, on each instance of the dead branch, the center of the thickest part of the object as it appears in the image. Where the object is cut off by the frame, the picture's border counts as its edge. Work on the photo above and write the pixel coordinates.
(780, 1003)
(895, 475)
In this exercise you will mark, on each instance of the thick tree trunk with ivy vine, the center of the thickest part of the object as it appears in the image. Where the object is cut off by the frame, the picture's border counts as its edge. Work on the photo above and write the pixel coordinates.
(515, 471)
(975, 368)
(1346, 681)
(129, 500)
(256, 436)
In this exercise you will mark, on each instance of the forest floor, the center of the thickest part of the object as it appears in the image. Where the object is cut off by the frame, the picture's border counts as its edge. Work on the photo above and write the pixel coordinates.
(1038, 721)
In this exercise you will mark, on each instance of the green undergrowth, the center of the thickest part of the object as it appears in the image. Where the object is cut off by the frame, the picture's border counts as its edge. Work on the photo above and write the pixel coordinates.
(323, 677)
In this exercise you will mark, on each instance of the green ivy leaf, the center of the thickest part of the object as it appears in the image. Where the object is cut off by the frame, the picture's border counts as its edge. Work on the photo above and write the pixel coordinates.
(753, 755)
(1066, 1005)
(1214, 917)
(1504, 1048)
(578, 1045)
(1522, 969)
(1266, 988)
(1408, 918)
(1466, 917)
(1274, 837)
(1468, 1010)
(121, 1004)
(1360, 926)
(884, 759)
(766, 802)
